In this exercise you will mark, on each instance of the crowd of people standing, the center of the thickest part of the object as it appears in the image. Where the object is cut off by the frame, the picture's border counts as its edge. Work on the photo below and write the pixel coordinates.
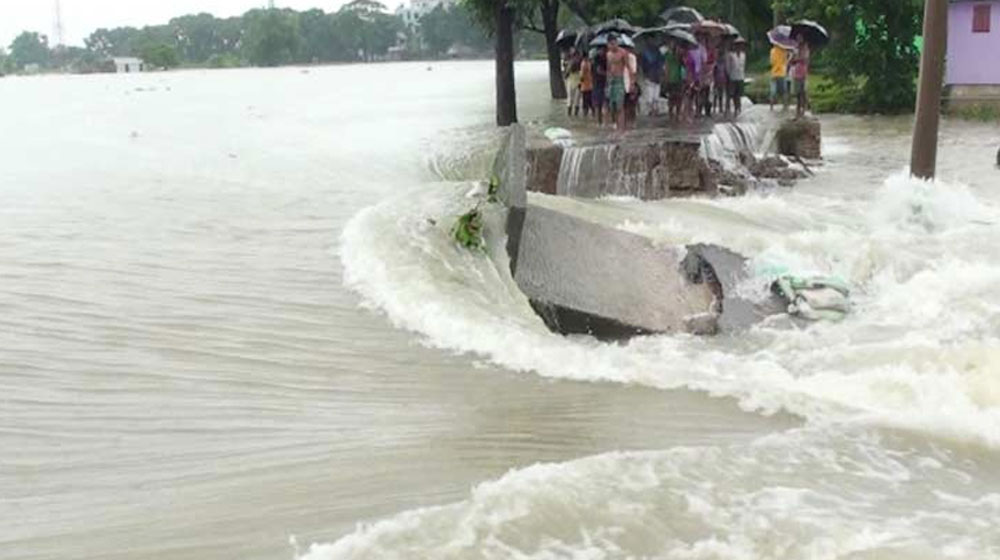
(618, 79)
(617, 84)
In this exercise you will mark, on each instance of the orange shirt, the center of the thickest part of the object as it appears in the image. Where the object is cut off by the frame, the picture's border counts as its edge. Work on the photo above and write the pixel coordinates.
(586, 76)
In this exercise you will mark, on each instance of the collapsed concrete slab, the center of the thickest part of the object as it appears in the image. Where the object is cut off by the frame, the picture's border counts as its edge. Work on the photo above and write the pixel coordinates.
(510, 170)
(585, 278)
(724, 270)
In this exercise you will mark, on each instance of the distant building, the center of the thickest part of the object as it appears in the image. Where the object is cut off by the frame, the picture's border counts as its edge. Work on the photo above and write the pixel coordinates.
(973, 75)
(129, 65)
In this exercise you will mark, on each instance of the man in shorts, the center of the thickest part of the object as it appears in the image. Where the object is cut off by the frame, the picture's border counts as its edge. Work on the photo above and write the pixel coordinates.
(617, 66)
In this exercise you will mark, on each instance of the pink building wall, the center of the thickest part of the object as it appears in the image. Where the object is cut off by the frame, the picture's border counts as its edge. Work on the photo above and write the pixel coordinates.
(973, 58)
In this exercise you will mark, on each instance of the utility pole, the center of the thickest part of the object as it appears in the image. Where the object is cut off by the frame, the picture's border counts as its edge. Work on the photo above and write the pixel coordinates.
(923, 161)
(58, 29)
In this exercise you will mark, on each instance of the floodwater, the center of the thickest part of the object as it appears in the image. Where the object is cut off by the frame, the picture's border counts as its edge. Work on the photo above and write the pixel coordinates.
(232, 325)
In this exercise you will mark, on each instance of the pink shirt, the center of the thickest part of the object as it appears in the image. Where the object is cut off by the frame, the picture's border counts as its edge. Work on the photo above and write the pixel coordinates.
(800, 63)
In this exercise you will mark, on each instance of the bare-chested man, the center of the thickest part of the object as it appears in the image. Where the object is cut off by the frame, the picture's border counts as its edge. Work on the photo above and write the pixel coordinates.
(617, 63)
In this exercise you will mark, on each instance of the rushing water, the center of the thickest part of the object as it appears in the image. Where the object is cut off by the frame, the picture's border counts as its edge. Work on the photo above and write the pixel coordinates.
(230, 314)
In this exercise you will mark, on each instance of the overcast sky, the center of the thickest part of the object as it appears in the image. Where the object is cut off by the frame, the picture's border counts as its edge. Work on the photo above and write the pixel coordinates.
(81, 17)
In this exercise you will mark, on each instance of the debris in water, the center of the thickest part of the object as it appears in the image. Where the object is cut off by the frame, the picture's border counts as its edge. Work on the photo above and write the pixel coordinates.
(814, 298)
(468, 231)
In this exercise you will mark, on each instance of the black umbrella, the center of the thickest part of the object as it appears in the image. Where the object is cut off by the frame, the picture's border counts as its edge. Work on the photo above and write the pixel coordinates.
(814, 33)
(616, 25)
(649, 33)
(567, 38)
(682, 14)
(683, 36)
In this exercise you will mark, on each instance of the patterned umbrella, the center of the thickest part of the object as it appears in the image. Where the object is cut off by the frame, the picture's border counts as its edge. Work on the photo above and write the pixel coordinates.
(781, 36)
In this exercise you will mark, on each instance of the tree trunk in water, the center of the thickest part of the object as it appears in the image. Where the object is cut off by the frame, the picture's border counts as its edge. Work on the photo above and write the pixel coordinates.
(506, 93)
(550, 23)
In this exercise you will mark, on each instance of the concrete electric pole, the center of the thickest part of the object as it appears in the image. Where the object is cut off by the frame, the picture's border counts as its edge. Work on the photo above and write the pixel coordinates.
(923, 161)
(57, 27)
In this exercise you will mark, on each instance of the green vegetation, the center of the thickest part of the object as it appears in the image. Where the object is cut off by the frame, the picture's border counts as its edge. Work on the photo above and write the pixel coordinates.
(873, 59)
(30, 48)
(468, 231)
(447, 26)
(826, 95)
(362, 30)
(983, 112)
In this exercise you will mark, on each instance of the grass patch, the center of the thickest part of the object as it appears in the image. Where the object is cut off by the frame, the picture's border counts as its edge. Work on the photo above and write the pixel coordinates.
(825, 95)
(980, 112)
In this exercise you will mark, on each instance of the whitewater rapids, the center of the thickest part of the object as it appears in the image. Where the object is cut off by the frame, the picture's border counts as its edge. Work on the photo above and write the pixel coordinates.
(894, 400)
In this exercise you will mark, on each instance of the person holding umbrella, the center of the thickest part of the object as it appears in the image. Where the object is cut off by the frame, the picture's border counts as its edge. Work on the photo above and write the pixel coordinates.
(736, 70)
(652, 63)
(587, 85)
(674, 78)
(617, 67)
(600, 69)
(779, 75)
(572, 75)
(800, 74)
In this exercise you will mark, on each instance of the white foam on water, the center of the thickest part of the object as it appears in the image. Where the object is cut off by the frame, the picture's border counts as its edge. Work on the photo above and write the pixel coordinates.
(869, 499)
(919, 353)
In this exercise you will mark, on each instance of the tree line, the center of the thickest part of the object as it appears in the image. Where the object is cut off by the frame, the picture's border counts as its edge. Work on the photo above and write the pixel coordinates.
(360, 31)
(872, 60)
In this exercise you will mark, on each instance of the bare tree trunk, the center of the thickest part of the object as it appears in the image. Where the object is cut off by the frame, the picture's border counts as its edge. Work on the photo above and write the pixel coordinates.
(550, 27)
(506, 92)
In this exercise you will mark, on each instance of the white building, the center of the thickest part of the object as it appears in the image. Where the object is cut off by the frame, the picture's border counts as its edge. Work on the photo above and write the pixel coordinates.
(129, 65)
